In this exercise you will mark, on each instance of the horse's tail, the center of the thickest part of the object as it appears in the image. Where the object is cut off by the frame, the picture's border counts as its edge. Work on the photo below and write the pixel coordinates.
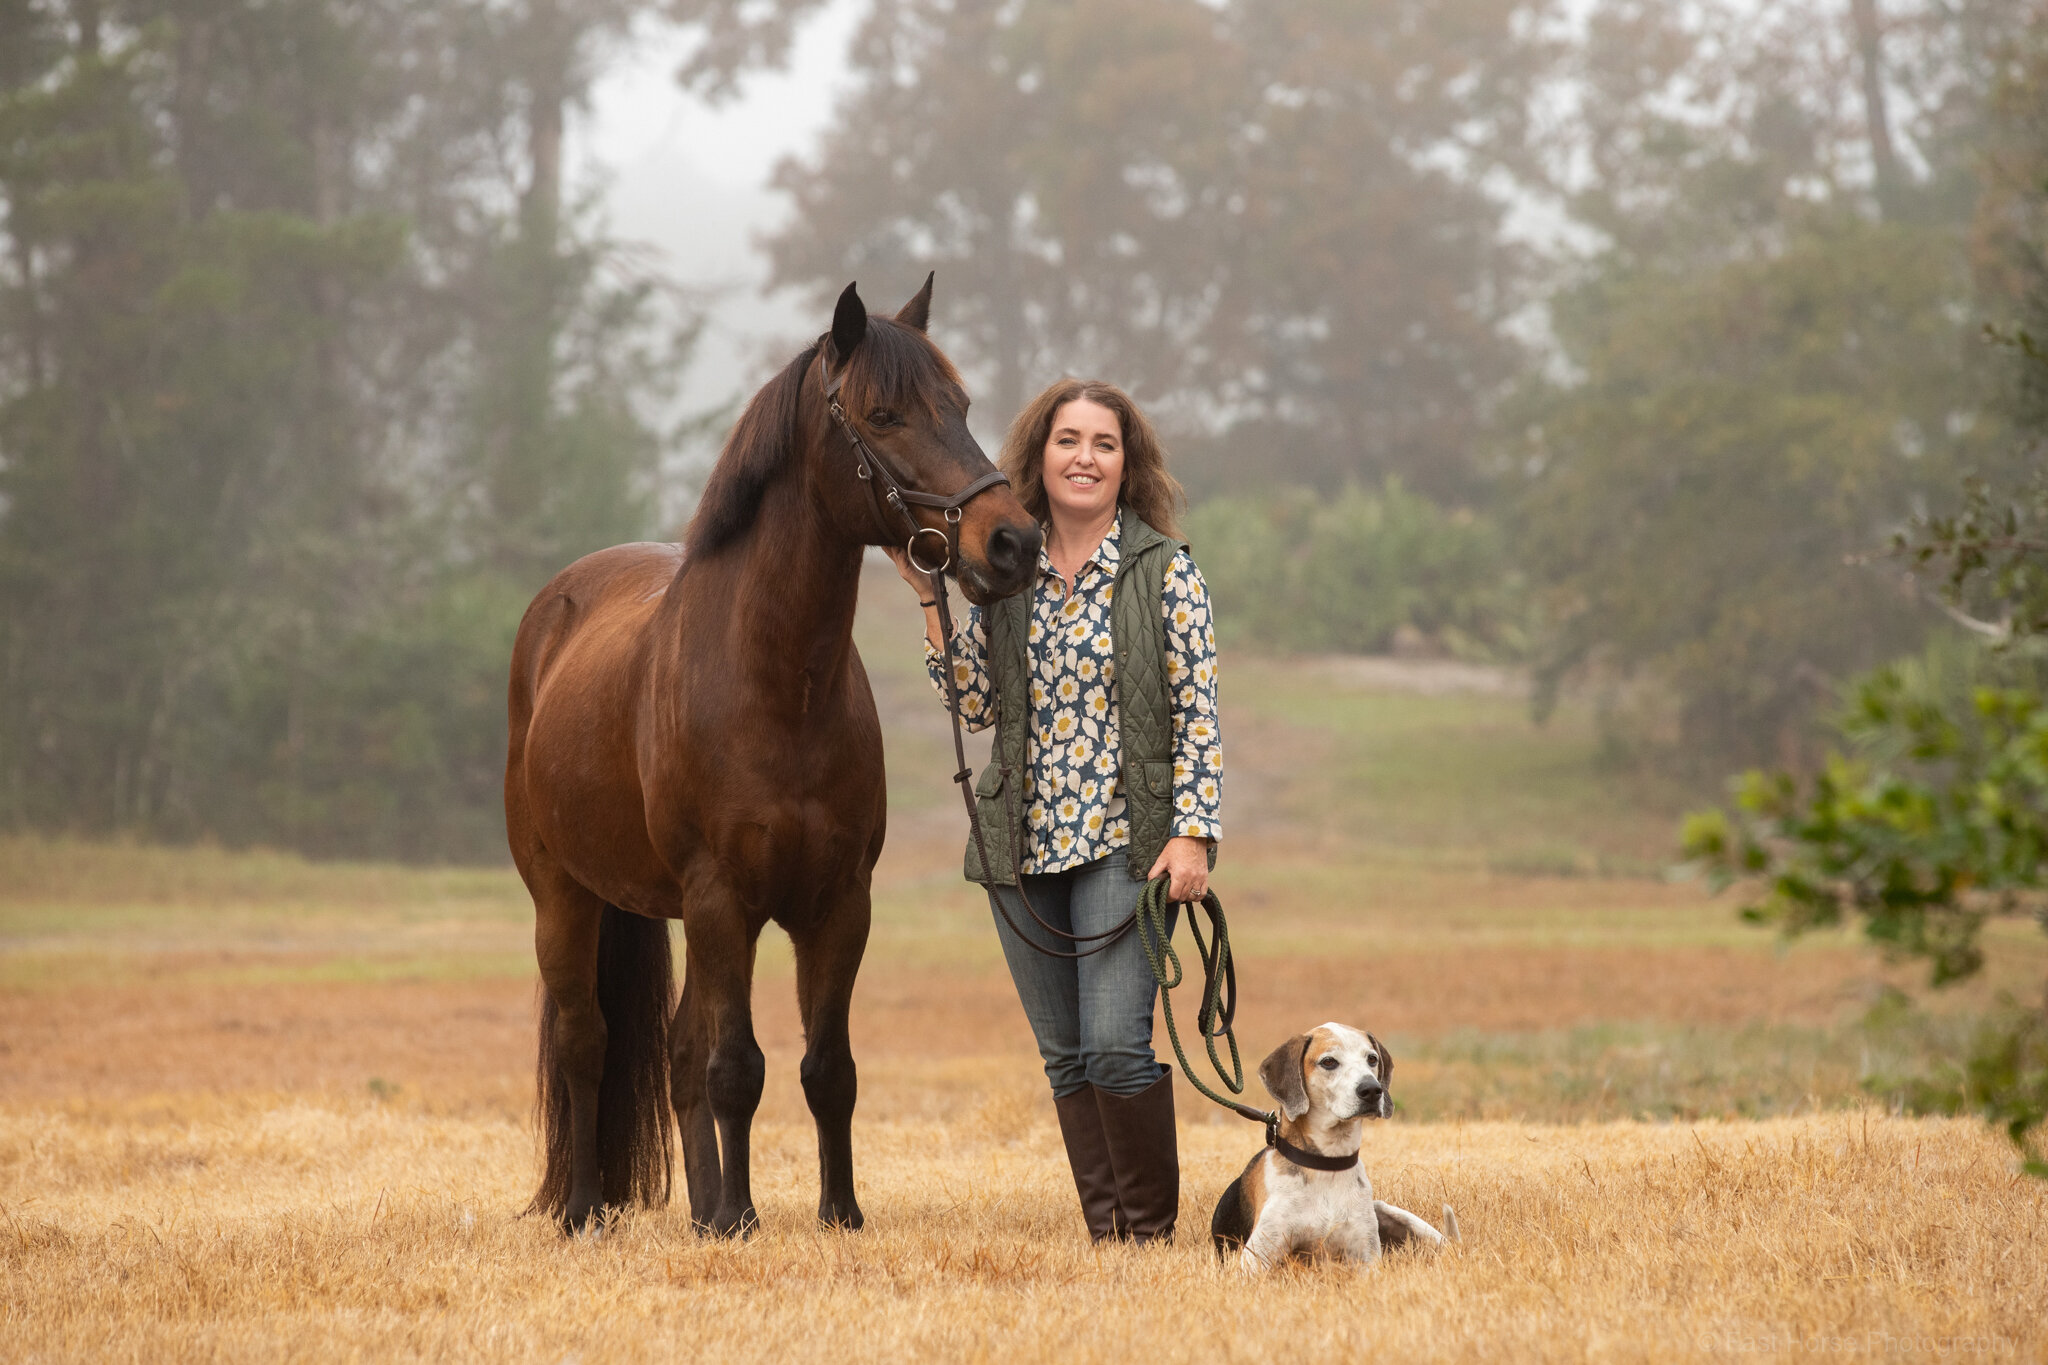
(635, 1127)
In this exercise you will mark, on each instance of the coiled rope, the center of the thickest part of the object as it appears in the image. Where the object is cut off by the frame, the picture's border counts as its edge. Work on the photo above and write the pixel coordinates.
(1217, 1016)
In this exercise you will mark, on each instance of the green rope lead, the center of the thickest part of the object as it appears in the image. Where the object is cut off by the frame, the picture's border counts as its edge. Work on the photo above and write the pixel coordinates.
(1216, 1018)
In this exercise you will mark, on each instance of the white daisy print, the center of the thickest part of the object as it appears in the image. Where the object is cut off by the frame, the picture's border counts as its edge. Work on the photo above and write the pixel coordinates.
(1077, 808)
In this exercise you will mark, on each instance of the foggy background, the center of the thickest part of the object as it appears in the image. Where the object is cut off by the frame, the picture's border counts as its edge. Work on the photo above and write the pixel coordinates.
(1602, 342)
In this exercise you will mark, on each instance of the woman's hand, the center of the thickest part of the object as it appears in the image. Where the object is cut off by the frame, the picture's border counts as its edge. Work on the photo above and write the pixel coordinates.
(1185, 859)
(927, 594)
(916, 578)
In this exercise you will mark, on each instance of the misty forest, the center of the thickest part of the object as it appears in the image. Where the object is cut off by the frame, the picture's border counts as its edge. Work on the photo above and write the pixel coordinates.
(1683, 354)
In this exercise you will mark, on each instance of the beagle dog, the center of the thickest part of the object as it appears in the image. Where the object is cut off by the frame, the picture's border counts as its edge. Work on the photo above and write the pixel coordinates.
(1306, 1195)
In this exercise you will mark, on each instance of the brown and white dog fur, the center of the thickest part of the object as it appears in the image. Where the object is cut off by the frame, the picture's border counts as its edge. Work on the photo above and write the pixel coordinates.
(1328, 1082)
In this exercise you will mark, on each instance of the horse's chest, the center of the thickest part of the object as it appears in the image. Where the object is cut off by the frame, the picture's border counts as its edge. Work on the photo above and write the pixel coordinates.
(783, 810)
(782, 855)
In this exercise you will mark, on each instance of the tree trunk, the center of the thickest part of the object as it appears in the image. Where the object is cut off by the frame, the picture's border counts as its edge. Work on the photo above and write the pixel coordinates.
(1883, 159)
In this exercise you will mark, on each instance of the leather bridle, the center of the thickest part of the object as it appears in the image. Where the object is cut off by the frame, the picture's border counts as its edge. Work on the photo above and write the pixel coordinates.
(886, 487)
(890, 492)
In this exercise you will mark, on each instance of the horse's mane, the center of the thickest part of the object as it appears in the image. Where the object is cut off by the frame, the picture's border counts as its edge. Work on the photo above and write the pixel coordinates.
(894, 366)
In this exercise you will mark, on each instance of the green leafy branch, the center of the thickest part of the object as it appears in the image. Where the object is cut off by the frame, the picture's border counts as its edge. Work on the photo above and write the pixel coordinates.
(1936, 819)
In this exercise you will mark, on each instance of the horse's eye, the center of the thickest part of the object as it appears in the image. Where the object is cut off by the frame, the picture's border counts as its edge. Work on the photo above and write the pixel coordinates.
(1328, 1064)
(882, 417)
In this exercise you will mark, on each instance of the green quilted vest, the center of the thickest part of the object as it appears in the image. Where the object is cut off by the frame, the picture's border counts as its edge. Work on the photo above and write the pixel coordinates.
(1144, 711)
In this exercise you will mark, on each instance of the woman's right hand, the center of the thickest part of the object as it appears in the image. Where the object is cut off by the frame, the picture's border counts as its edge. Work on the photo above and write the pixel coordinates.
(918, 579)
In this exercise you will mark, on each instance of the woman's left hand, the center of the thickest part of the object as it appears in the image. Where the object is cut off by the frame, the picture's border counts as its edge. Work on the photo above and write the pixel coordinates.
(1185, 859)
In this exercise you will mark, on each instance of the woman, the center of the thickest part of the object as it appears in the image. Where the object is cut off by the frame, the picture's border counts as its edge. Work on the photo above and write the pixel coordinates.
(1106, 773)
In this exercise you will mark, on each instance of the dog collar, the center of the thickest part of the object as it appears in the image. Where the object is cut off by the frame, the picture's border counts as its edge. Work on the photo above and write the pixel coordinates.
(1314, 1161)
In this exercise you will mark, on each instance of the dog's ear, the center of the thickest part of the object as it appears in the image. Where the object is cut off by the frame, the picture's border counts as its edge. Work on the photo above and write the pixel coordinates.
(1281, 1071)
(1386, 1062)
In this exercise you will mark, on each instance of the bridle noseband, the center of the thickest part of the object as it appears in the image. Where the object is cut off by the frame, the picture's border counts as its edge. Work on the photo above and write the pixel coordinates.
(886, 486)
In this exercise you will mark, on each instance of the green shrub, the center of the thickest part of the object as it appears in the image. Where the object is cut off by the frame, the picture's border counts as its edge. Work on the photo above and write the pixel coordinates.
(1300, 570)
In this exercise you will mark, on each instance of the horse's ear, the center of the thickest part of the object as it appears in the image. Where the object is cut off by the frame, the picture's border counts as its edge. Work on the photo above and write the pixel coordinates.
(918, 312)
(849, 324)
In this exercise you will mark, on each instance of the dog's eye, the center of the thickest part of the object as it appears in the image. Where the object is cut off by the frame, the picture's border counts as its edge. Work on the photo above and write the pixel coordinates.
(1328, 1064)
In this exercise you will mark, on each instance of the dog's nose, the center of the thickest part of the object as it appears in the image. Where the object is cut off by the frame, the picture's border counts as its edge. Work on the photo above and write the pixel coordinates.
(1370, 1089)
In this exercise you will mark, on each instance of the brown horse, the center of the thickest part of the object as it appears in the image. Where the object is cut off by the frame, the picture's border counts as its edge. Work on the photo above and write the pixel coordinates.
(693, 738)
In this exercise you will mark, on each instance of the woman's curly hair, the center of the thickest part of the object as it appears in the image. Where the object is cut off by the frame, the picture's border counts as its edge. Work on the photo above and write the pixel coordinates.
(1148, 489)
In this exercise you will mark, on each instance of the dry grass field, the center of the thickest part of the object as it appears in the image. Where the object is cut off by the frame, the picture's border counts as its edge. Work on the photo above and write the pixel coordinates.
(253, 1108)
(317, 1231)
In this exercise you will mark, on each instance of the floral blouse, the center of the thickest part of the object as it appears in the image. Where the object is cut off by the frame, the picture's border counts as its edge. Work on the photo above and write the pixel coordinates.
(1077, 809)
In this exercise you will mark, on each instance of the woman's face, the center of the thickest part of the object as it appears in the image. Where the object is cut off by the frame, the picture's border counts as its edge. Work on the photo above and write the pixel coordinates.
(1084, 461)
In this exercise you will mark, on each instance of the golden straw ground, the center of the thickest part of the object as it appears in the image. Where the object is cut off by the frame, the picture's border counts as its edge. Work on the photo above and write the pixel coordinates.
(375, 1232)
(253, 1108)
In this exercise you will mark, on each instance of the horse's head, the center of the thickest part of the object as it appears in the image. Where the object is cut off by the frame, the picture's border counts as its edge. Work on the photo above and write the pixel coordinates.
(899, 395)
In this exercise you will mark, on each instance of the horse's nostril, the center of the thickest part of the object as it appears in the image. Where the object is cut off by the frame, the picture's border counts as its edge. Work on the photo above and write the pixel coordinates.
(1010, 549)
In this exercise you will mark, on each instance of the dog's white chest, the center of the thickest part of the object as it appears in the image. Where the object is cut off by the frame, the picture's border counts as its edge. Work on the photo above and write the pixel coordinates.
(1317, 1213)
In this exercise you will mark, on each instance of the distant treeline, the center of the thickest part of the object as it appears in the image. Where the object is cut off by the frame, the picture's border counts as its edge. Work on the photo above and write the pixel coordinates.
(1614, 339)
(307, 380)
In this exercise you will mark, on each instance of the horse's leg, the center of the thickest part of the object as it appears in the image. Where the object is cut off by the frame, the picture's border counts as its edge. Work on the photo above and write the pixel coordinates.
(690, 1061)
(720, 991)
(827, 959)
(567, 918)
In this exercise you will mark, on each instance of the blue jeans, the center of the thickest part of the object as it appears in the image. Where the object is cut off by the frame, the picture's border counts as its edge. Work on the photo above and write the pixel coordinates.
(1092, 1016)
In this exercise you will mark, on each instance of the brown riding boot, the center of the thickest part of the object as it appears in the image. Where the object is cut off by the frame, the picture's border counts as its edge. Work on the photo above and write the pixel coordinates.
(1088, 1156)
(1145, 1154)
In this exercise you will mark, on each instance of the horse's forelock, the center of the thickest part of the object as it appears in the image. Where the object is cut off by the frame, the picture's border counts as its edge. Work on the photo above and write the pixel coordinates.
(898, 368)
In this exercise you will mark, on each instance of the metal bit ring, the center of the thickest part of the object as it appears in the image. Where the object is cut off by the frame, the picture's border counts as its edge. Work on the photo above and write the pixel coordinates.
(946, 544)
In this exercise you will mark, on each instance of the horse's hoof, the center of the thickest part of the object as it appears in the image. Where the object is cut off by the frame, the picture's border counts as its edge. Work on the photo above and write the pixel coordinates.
(845, 1217)
(578, 1219)
(726, 1223)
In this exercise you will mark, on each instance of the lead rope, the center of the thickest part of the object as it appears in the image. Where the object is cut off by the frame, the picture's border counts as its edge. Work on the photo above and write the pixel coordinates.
(1217, 1017)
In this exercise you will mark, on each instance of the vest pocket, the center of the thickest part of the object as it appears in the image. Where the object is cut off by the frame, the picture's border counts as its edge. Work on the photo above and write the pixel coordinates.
(1158, 777)
(992, 816)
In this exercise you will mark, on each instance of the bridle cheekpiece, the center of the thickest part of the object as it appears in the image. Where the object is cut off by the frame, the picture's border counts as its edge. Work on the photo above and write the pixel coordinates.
(886, 486)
